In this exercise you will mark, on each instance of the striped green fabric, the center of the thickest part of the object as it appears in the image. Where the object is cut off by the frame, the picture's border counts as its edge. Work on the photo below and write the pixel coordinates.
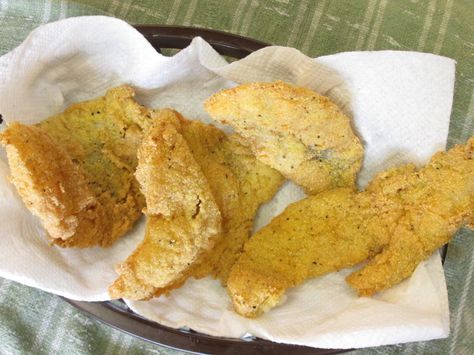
(35, 322)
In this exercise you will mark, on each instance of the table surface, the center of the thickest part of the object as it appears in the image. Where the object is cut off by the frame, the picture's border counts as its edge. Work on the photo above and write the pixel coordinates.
(32, 321)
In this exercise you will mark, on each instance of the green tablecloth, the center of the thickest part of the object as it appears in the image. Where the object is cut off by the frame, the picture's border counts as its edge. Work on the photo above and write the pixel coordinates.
(32, 321)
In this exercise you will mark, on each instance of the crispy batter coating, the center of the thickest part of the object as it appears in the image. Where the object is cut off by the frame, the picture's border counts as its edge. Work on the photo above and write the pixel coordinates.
(75, 170)
(294, 130)
(402, 217)
(239, 184)
(183, 217)
(437, 200)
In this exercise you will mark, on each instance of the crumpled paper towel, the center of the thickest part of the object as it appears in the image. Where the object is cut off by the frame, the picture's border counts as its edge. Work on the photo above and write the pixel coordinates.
(400, 103)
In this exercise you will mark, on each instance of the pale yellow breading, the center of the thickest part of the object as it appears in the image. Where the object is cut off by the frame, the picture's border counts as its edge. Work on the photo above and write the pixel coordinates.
(294, 130)
(75, 170)
(403, 216)
(437, 200)
(50, 184)
(239, 184)
(183, 219)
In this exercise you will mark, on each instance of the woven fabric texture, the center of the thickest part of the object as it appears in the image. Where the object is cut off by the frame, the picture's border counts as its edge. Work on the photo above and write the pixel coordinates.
(35, 322)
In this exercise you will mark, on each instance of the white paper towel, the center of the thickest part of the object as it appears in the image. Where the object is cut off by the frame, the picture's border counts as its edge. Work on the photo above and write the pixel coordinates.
(400, 103)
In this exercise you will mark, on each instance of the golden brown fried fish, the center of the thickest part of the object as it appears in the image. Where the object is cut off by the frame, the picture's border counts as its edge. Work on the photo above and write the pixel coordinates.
(75, 170)
(404, 215)
(436, 201)
(294, 130)
(239, 184)
(183, 217)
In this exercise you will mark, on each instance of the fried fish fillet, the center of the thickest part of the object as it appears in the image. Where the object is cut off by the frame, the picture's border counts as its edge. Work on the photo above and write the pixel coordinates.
(294, 130)
(183, 219)
(437, 201)
(238, 183)
(400, 219)
(75, 170)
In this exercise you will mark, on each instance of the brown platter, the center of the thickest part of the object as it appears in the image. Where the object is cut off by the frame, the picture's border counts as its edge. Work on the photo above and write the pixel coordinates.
(116, 313)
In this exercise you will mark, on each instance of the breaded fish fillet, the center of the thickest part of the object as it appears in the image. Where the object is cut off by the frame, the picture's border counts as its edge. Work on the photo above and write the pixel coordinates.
(239, 184)
(294, 130)
(75, 170)
(401, 218)
(437, 200)
(183, 219)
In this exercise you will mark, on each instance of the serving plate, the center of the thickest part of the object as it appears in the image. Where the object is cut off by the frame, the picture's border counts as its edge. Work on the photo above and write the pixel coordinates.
(116, 313)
